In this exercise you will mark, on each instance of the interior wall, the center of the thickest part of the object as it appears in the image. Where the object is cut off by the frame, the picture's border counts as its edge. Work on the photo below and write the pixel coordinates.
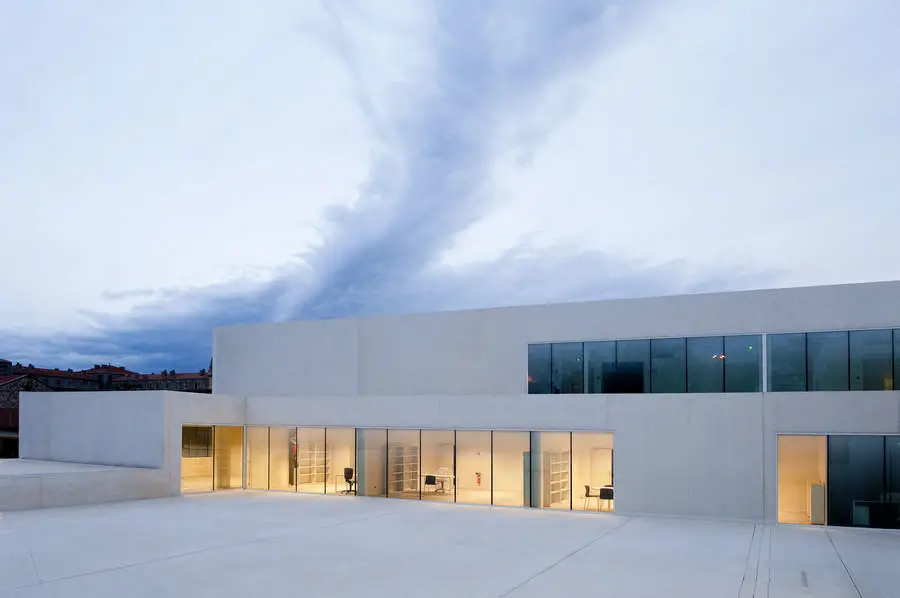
(801, 464)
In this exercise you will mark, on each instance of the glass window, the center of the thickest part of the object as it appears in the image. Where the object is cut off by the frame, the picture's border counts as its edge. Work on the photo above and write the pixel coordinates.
(473, 467)
(801, 479)
(257, 458)
(592, 471)
(743, 363)
(311, 460)
(668, 367)
(371, 461)
(892, 465)
(856, 480)
(870, 360)
(340, 460)
(567, 375)
(228, 457)
(551, 483)
(897, 358)
(283, 459)
(632, 366)
(705, 364)
(196, 459)
(827, 361)
(600, 366)
(438, 465)
(512, 469)
(538, 369)
(787, 362)
(403, 464)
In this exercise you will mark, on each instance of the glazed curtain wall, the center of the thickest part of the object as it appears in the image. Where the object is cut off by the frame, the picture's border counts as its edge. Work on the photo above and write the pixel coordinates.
(556, 470)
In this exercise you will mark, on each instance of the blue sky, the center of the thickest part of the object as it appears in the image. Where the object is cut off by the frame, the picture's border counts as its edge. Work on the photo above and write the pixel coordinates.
(169, 167)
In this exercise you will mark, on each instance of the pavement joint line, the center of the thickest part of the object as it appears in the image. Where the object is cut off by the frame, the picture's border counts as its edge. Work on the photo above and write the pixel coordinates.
(565, 557)
(747, 561)
(841, 559)
(170, 557)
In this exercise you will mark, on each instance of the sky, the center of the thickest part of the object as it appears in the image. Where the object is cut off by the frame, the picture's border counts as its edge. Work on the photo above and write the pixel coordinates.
(170, 167)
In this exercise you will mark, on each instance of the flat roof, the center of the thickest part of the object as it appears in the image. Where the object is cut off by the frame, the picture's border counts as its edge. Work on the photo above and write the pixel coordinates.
(255, 544)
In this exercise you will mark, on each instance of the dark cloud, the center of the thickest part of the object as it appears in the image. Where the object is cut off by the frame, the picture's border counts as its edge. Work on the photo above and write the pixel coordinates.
(426, 185)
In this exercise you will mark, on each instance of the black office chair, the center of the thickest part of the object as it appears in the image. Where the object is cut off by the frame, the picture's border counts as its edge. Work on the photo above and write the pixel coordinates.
(588, 496)
(606, 493)
(351, 483)
(431, 480)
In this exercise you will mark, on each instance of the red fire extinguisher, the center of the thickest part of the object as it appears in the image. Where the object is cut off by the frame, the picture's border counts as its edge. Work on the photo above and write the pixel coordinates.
(478, 478)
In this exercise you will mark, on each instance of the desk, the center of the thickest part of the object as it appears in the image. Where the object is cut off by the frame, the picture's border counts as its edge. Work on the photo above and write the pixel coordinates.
(442, 479)
(597, 491)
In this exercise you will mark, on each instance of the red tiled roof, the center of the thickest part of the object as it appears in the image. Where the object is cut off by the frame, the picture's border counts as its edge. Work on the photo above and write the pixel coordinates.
(5, 379)
(21, 369)
(176, 376)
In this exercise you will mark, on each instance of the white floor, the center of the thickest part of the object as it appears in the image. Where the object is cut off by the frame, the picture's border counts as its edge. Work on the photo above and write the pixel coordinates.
(270, 544)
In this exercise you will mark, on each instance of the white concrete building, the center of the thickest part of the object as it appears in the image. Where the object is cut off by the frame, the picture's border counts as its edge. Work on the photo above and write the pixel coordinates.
(775, 405)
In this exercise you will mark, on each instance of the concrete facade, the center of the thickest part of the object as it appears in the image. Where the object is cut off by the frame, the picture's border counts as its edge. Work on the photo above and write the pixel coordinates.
(703, 455)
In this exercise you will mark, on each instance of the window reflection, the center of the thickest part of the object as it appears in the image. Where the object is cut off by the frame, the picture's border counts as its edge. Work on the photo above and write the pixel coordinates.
(632, 366)
(257, 458)
(311, 460)
(473, 467)
(827, 358)
(196, 459)
(705, 364)
(787, 362)
(567, 374)
(438, 467)
(512, 466)
(668, 367)
(592, 471)
(403, 464)
(340, 460)
(551, 480)
(539, 369)
(371, 459)
(600, 366)
(283, 459)
(870, 360)
(743, 363)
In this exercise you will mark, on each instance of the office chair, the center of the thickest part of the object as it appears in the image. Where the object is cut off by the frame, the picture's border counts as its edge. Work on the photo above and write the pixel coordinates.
(431, 480)
(348, 478)
(588, 496)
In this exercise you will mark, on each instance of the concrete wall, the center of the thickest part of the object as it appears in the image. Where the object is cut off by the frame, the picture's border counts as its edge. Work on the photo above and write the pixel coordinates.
(485, 351)
(109, 428)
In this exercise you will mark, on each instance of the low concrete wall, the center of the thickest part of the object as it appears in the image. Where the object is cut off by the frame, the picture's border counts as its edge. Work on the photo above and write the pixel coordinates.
(79, 485)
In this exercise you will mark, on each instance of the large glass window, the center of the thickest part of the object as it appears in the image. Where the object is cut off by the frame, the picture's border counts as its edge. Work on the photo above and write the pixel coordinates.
(856, 485)
(600, 366)
(257, 458)
(892, 466)
(705, 364)
(870, 360)
(551, 469)
(371, 460)
(743, 363)
(668, 365)
(632, 366)
(403, 464)
(897, 358)
(539, 369)
(228, 457)
(196, 459)
(801, 479)
(567, 361)
(283, 459)
(512, 469)
(827, 361)
(311, 460)
(473, 467)
(592, 471)
(340, 460)
(787, 362)
(438, 465)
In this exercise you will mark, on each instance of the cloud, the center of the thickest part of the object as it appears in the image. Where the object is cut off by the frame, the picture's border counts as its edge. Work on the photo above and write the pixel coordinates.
(521, 152)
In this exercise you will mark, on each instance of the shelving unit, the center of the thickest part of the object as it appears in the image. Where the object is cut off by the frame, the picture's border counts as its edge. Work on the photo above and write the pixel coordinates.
(556, 478)
(404, 473)
(312, 465)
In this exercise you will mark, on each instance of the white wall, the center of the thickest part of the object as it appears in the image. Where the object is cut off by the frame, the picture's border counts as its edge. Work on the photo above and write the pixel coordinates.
(109, 428)
(482, 352)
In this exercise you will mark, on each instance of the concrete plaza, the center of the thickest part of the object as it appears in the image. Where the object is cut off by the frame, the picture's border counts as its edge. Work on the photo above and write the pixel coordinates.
(245, 544)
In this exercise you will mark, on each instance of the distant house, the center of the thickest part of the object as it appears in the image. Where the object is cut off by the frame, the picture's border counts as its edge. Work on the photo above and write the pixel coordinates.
(10, 387)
